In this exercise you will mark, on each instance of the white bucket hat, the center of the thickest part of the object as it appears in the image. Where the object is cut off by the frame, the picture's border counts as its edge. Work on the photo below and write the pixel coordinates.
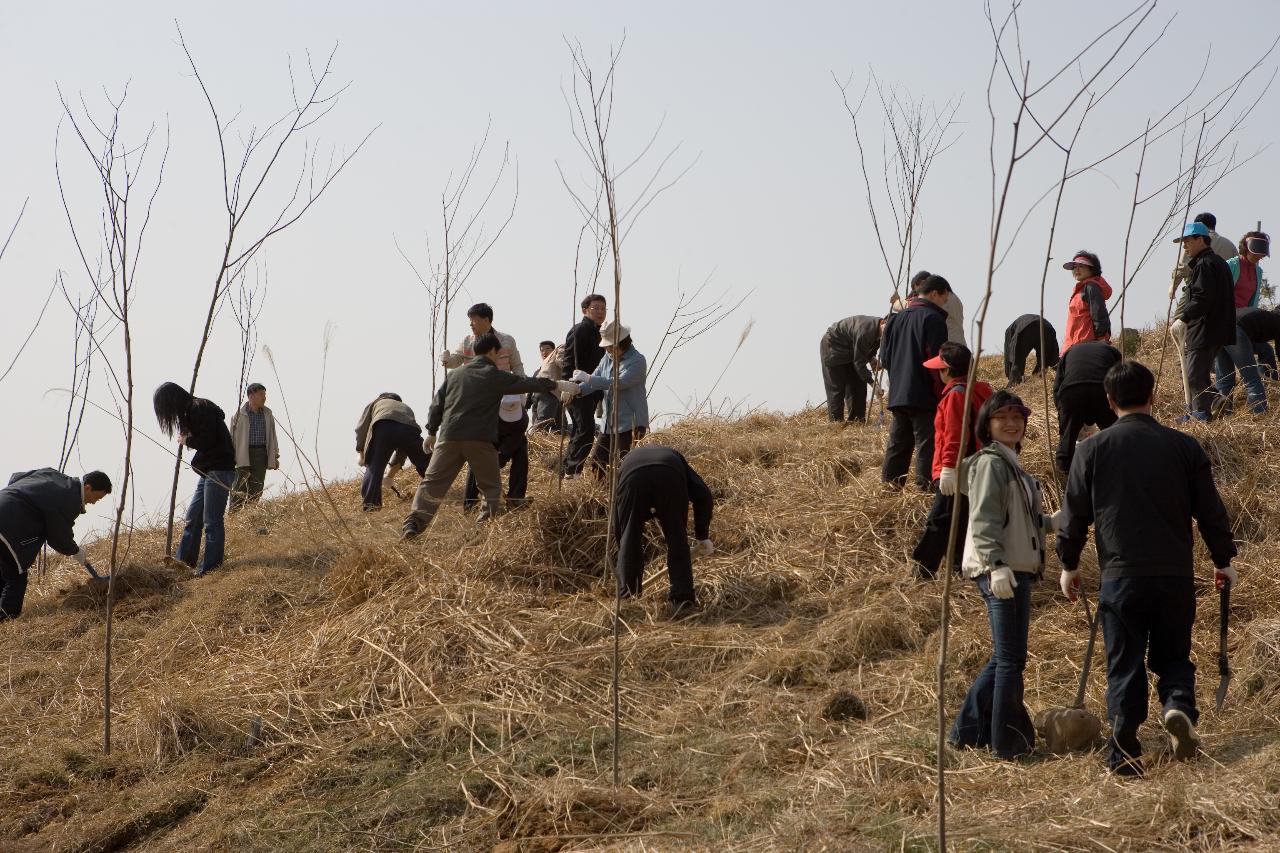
(612, 333)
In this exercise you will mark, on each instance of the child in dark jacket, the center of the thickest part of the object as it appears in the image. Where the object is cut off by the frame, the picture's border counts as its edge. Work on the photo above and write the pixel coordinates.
(952, 364)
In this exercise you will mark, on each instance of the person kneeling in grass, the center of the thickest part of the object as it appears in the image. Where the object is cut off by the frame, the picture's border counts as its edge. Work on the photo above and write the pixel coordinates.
(1004, 554)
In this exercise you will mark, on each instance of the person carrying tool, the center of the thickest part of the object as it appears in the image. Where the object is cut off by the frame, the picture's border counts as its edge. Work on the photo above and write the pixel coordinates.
(1020, 339)
(848, 354)
(464, 415)
(656, 482)
(1140, 485)
(952, 364)
(1080, 397)
(387, 432)
(1004, 555)
(40, 508)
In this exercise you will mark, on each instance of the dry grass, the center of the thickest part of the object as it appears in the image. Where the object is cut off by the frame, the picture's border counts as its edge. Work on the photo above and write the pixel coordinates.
(454, 692)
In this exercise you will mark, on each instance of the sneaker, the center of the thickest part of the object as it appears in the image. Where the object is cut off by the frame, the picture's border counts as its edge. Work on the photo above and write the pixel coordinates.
(1127, 767)
(1182, 734)
(410, 531)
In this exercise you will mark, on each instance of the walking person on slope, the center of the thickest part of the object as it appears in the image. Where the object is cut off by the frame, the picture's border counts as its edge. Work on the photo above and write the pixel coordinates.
(202, 426)
(631, 404)
(387, 433)
(1223, 248)
(952, 364)
(253, 432)
(911, 338)
(40, 508)
(464, 416)
(1004, 554)
(1080, 397)
(1210, 316)
(582, 352)
(1140, 485)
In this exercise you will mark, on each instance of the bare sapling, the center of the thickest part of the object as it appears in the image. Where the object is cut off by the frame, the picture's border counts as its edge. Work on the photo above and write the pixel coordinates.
(246, 306)
(247, 173)
(128, 178)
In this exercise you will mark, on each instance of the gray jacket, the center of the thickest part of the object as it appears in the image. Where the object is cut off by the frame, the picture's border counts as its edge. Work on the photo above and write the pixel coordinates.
(853, 340)
(239, 428)
(508, 356)
(40, 507)
(466, 406)
(384, 409)
(1006, 519)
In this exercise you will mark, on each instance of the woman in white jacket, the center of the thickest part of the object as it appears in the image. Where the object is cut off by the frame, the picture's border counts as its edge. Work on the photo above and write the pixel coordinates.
(1004, 555)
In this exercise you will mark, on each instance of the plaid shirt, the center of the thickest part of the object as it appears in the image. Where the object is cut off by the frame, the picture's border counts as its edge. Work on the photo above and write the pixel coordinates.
(257, 429)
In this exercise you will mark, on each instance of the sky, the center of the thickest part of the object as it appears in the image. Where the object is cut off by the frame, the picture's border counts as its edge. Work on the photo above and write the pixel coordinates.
(769, 206)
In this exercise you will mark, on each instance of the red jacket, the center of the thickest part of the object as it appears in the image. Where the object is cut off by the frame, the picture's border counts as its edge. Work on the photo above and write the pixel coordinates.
(946, 423)
(1087, 318)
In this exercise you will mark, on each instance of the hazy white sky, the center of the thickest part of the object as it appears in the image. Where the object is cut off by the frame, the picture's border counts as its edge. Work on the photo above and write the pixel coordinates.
(773, 205)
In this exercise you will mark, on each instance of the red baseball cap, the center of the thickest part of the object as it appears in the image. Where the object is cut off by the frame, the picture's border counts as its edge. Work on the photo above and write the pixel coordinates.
(937, 363)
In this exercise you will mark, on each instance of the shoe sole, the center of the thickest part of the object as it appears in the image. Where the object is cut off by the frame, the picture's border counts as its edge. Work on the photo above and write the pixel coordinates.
(1183, 734)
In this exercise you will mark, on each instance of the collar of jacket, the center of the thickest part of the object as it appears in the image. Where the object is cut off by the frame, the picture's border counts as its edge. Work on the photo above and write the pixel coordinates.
(479, 359)
(244, 409)
(1199, 256)
(1080, 285)
(1138, 416)
(921, 302)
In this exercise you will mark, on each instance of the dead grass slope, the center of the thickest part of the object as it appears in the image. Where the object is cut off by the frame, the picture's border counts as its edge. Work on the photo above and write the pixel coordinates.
(454, 693)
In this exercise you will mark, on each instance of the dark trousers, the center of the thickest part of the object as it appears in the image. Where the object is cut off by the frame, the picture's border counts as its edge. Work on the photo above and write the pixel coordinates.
(1146, 619)
(604, 448)
(583, 434)
(513, 447)
(1079, 406)
(13, 586)
(386, 439)
(931, 550)
(1199, 363)
(1019, 348)
(653, 491)
(845, 390)
(548, 413)
(910, 429)
(250, 481)
(993, 714)
(1266, 355)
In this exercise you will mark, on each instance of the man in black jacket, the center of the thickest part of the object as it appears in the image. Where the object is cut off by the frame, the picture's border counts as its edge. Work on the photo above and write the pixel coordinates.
(40, 508)
(582, 351)
(1141, 484)
(1262, 325)
(911, 338)
(1079, 394)
(1023, 336)
(464, 414)
(848, 354)
(657, 482)
(1210, 315)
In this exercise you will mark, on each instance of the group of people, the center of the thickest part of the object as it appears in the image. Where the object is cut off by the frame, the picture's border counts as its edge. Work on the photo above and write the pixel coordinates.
(1137, 483)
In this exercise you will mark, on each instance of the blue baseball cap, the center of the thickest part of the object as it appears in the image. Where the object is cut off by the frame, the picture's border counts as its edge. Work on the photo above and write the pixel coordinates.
(1193, 229)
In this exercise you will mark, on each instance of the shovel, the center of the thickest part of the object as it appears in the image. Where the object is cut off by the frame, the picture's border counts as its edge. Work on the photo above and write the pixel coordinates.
(1224, 668)
(1074, 728)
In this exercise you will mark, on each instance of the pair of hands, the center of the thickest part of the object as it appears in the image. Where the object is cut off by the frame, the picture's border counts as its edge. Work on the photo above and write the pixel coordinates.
(1069, 580)
(570, 388)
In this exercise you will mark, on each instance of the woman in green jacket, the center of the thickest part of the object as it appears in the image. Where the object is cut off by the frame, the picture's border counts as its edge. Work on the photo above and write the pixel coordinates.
(1004, 555)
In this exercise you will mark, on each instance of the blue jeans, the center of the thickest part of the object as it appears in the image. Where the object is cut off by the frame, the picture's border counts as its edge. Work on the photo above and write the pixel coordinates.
(993, 714)
(1240, 356)
(205, 516)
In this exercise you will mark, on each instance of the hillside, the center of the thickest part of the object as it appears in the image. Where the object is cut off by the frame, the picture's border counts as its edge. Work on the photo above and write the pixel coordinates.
(455, 691)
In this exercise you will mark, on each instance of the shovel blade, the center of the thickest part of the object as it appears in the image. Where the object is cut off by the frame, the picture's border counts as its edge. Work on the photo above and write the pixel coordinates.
(1224, 673)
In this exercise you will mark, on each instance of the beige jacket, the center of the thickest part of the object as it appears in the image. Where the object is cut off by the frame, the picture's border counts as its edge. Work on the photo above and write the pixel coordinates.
(508, 356)
(381, 410)
(239, 427)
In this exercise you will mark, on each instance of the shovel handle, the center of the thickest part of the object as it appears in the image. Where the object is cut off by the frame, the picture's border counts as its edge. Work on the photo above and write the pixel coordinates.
(1088, 652)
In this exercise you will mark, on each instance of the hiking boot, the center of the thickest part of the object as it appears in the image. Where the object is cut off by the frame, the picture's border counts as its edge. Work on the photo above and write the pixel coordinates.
(371, 508)
(1128, 767)
(1182, 734)
(488, 514)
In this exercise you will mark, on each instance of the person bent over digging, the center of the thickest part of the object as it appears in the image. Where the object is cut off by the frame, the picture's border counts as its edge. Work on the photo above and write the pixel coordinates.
(463, 429)
(657, 482)
(1004, 554)
(1140, 484)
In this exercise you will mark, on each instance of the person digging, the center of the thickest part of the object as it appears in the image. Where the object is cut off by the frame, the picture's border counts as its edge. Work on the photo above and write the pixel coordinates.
(1140, 485)
(462, 429)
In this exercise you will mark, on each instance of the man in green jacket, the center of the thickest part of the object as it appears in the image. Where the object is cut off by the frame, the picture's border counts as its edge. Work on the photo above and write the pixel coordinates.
(462, 429)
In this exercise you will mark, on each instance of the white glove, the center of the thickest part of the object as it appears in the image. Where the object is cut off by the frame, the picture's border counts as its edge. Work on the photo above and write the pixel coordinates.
(581, 376)
(567, 388)
(947, 482)
(428, 443)
(1226, 575)
(1059, 520)
(81, 557)
(446, 357)
(1069, 582)
(1003, 582)
(1173, 290)
(704, 548)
